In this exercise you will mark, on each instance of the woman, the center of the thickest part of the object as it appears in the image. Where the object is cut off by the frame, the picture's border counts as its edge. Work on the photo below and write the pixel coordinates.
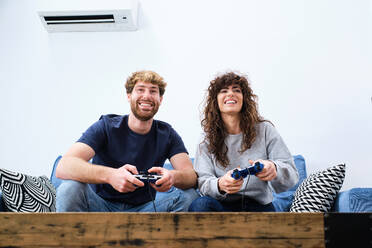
(237, 136)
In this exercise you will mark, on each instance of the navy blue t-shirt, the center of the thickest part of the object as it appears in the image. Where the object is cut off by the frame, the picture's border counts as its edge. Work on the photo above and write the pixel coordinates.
(116, 145)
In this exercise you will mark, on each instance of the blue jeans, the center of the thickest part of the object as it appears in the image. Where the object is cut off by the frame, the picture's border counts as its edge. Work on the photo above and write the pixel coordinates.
(209, 204)
(73, 196)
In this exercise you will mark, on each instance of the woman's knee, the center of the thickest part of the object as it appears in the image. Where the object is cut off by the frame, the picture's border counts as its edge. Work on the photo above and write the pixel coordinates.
(205, 204)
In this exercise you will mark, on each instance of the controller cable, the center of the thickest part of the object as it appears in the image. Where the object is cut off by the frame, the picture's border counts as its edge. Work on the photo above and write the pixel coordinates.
(245, 189)
(152, 198)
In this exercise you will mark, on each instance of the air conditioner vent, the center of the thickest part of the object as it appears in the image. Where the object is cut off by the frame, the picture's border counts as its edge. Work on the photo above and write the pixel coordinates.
(86, 19)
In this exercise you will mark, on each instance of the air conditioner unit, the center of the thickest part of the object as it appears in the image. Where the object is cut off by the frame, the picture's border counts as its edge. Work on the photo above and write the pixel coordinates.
(88, 15)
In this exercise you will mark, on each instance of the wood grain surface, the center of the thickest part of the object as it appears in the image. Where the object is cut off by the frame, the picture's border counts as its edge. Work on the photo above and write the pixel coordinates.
(162, 230)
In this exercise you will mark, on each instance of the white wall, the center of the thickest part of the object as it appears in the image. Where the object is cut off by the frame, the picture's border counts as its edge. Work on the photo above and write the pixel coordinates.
(309, 62)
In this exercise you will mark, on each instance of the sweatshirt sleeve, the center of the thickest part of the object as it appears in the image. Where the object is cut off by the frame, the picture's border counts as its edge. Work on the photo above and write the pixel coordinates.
(207, 178)
(278, 153)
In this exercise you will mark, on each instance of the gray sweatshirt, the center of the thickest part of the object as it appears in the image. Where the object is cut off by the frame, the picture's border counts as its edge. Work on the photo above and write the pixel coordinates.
(267, 146)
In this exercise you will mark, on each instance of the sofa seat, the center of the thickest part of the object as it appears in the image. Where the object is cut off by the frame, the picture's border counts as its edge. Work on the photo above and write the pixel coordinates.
(354, 200)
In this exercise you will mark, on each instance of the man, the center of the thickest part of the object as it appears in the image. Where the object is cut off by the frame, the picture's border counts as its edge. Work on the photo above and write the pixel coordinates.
(121, 147)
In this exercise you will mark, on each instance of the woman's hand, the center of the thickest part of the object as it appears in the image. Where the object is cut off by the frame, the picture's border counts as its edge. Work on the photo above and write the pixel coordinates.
(268, 172)
(229, 185)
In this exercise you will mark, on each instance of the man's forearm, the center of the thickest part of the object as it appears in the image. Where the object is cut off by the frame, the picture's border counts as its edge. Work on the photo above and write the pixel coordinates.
(77, 169)
(185, 179)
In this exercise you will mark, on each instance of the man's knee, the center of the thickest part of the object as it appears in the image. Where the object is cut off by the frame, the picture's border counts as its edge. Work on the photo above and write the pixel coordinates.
(186, 198)
(70, 196)
(176, 200)
(69, 188)
(189, 196)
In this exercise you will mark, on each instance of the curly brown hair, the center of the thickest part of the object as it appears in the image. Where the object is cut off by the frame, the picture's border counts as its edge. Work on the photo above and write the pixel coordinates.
(213, 125)
(145, 76)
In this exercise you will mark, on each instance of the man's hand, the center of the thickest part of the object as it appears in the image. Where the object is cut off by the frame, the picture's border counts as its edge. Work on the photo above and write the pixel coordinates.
(122, 179)
(228, 184)
(166, 181)
(268, 172)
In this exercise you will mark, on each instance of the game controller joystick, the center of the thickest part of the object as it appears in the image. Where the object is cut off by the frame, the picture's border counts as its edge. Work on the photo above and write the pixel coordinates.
(243, 173)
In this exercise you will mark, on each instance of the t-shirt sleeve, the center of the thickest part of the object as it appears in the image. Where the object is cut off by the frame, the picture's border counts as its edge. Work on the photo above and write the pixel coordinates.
(175, 144)
(95, 136)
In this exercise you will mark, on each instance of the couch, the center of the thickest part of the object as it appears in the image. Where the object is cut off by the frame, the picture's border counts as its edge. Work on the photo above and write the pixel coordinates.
(352, 200)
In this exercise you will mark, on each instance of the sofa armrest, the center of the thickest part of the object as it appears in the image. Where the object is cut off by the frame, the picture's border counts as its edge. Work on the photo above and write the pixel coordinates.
(354, 201)
(55, 180)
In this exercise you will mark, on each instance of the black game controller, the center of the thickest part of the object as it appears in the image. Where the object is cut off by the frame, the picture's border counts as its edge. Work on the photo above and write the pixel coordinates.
(148, 177)
(252, 170)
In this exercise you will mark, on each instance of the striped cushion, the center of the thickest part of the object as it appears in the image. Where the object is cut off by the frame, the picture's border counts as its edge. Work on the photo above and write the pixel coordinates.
(318, 192)
(23, 193)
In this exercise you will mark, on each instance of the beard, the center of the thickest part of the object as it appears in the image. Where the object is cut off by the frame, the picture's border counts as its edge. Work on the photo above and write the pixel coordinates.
(143, 115)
